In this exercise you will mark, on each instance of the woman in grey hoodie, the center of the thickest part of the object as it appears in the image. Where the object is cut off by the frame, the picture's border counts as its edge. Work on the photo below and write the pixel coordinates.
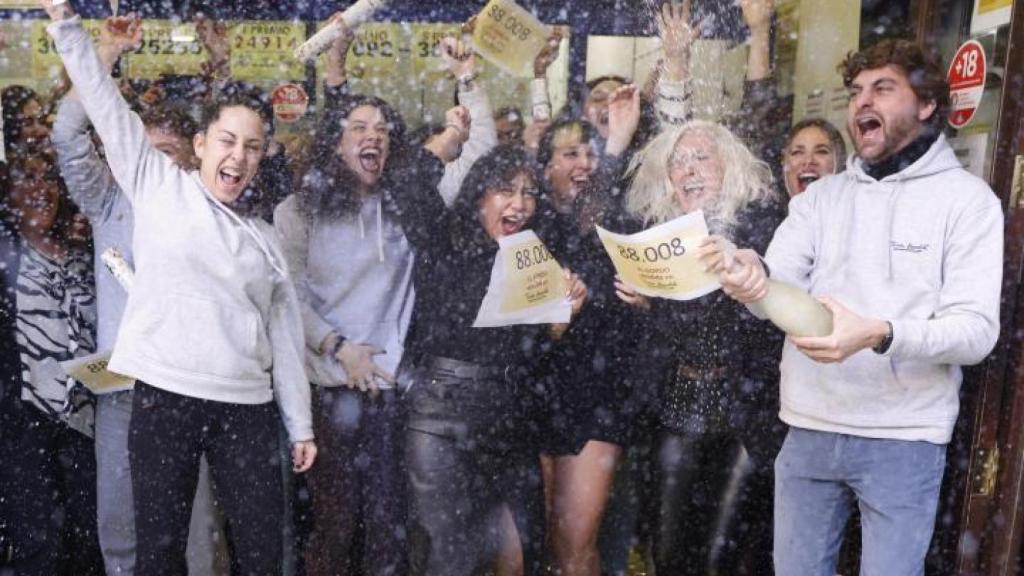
(211, 331)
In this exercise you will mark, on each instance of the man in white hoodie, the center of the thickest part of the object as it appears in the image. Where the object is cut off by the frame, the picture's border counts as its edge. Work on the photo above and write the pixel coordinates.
(905, 248)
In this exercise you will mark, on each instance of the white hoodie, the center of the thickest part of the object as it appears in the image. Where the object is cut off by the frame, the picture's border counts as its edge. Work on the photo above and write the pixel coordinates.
(922, 248)
(212, 313)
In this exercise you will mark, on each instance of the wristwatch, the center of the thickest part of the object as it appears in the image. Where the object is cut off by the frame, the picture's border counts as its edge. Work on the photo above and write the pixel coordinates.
(883, 346)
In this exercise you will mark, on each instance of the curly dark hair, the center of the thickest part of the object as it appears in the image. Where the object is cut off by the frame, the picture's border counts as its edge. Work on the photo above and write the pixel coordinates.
(494, 169)
(927, 79)
(329, 187)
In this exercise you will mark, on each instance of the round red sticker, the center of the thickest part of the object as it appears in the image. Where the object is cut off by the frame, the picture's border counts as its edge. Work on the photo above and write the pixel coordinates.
(290, 102)
(966, 79)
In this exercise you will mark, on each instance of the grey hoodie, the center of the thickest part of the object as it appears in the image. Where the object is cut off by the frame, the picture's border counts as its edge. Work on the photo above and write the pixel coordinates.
(922, 248)
(354, 276)
(212, 313)
(97, 195)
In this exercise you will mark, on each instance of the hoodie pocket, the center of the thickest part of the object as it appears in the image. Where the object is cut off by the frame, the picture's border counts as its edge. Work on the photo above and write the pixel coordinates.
(874, 377)
(206, 337)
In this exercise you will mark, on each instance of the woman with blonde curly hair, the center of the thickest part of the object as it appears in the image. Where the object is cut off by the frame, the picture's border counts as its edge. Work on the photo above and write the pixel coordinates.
(715, 402)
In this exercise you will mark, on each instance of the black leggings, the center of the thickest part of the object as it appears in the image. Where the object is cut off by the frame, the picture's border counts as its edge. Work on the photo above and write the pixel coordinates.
(714, 503)
(167, 435)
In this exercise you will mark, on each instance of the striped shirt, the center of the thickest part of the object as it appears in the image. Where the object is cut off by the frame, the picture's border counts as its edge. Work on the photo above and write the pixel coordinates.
(56, 321)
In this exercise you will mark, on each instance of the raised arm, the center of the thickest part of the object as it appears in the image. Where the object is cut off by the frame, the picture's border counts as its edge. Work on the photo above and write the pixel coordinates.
(483, 135)
(137, 167)
(89, 181)
(677, 37)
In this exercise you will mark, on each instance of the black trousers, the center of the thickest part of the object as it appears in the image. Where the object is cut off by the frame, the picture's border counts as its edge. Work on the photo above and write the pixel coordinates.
(470, 450)
(358, 485)
(47, 496)
(715, 495)
(167, 435)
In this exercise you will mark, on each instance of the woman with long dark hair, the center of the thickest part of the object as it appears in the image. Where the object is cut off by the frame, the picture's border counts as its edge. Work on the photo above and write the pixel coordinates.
(346, 246)
(475, 421)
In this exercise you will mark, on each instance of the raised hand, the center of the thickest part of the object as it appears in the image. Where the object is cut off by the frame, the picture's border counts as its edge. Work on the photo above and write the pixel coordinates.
(335, 73)
(677, 37)
(548, 54)
(623, 118)
(118, 35)
(213, 35)
(757, 15)
(57, 9)
(458, 57)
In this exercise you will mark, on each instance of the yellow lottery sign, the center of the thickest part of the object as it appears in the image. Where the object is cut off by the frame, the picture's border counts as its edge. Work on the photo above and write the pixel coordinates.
(527, 285)
(426, 47)
(509, 36)
(661, 261)
(45, 59)
(168, 47)
(374, 51)
(93, 373)
(262, 50)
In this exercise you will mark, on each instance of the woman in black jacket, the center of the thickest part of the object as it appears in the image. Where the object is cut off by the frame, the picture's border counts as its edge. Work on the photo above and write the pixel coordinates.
(474, 422)
(718, 397)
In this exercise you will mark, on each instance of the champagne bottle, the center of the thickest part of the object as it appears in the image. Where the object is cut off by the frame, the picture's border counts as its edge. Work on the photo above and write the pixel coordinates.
(355, 15)
(794, 311)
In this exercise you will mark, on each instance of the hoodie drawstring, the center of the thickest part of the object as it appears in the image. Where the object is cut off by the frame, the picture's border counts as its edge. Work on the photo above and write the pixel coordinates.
(380, 231)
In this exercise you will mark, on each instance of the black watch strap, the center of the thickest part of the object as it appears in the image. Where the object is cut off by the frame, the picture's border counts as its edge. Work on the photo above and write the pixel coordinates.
(886, 342)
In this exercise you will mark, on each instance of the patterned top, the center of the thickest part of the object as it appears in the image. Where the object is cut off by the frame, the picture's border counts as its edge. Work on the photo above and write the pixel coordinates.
(56, 321)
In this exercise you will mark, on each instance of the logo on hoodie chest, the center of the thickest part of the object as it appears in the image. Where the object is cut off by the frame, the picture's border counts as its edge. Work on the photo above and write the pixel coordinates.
(910, 247)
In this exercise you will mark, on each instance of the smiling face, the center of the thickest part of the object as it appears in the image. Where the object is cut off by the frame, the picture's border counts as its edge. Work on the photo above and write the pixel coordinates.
(34, 132)
(884, 113)
(572, 163)
(595, 109)
(506, 209)
(34, 196)
(809, 156)
(696, 171)
(365, 143)
(230, 151)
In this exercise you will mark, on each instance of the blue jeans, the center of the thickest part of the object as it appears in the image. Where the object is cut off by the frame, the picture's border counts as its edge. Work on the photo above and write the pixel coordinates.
(819, 476)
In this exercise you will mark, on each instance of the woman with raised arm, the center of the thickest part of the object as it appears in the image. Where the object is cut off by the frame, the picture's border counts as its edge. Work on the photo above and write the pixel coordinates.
(211, 331)
(475, 420)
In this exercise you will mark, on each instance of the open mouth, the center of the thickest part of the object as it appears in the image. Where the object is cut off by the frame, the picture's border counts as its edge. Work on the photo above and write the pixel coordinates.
(512, 224)
(804, 179)
(230, 177)
(369, 160)
(693, 189)
(869, 128)
(580, 180)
